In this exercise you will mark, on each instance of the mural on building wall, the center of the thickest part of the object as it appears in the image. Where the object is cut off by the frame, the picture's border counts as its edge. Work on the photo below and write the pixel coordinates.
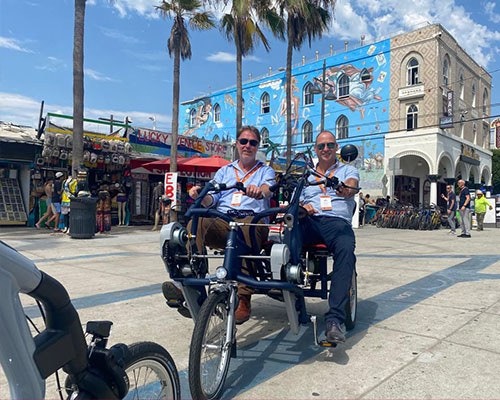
(362, 103)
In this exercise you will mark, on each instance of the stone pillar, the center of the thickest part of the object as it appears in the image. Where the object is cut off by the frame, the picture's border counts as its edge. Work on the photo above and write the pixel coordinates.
(433, 195)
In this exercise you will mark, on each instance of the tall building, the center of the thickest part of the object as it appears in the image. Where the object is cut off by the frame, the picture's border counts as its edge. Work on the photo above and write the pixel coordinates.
(416, 106)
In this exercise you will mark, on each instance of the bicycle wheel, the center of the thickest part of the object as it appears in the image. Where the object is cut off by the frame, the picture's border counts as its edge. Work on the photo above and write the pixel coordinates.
(210, 355)
(351, 307)
(152, 373)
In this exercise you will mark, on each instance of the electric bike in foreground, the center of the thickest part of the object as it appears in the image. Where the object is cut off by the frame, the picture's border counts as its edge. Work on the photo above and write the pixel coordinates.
(282, 270)
(143, 370)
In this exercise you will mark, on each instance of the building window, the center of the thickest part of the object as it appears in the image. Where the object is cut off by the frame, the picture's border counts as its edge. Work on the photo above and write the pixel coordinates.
(216, 138)
(462, 86)
(343, 84)
(473, 94)
(486, 135)
(365, 75)
(342, 127)
(412, 67)
(265, 105)
(242, 108)
(307, 96)
(307, 132)
(192, 118)
(217, 112)
(474, 132)
(264, 137)
(485, 102)
(446, 71)
(412, 117)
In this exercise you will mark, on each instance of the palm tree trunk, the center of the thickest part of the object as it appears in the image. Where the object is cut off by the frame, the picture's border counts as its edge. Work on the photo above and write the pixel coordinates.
(78, 89)
(239, 88)
(175, 116)
(289, 54)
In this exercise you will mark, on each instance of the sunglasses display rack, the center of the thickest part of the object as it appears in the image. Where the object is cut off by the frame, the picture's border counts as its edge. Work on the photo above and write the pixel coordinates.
(12, 211)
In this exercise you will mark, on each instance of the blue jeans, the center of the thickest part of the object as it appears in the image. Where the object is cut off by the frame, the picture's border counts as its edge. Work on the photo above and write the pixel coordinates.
(339, 237)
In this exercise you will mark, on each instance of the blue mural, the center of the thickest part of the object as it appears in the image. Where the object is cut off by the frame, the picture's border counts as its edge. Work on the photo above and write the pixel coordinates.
(356, 106)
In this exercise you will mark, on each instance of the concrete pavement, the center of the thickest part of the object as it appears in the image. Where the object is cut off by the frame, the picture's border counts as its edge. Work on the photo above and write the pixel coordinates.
(428, 315)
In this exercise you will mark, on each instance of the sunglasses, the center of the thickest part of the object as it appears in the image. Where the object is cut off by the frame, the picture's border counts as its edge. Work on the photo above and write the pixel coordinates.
(330, 145)
(252, 142)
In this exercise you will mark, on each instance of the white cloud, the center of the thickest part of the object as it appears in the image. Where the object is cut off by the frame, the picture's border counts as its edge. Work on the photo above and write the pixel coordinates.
(114, 34)
(489, 9)
(145, 8)
(224, 57)
(23, 110)
(52, 64)
(381, 19)
(97, 76)
(13, 44)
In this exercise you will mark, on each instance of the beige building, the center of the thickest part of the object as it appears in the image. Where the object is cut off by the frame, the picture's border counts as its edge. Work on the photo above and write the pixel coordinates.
(439, 117)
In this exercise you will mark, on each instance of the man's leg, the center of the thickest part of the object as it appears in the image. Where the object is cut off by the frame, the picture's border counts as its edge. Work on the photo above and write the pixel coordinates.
(480, 221)
(466, 219)
(462, 222)
(451, 221)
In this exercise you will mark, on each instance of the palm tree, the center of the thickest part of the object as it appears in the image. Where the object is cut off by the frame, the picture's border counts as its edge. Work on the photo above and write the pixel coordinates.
(241, 25)
(180, 46)
(78, 92)
(304, 19)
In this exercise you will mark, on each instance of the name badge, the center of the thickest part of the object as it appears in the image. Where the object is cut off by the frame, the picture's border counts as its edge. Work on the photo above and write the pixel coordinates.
(325, 203)
(236, 199)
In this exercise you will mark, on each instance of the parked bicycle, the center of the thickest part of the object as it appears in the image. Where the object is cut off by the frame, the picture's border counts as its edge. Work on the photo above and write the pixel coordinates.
(282, 270)
(143, 370)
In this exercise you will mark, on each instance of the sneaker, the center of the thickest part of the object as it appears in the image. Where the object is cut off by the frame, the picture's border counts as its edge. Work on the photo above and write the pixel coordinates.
(175, 298)
(461, 235)
(335, 333)
(451, 233)
(242, 313)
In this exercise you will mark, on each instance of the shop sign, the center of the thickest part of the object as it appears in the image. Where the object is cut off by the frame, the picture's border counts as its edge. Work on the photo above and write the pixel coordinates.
(171, 187)
(413, 91)
(161, 140)
(449, 103)
(446, 122)
(469, 155)
(196, 175)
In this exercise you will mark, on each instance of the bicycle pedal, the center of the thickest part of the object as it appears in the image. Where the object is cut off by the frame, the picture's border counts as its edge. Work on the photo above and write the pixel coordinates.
(326, 343)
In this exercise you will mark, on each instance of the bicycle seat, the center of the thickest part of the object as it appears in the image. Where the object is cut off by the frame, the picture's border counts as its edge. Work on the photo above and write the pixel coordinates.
(316, 246)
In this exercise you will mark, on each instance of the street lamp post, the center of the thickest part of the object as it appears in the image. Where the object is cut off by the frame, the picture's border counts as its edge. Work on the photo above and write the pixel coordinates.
(325, 95)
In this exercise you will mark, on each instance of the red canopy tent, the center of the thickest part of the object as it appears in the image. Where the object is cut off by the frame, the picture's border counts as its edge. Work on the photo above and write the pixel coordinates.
(203, 164)
(164, 164)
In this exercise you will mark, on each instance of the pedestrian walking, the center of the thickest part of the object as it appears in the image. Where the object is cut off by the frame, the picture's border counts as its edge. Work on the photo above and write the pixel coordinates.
(481, 205)
(451, 207)
(464, 209)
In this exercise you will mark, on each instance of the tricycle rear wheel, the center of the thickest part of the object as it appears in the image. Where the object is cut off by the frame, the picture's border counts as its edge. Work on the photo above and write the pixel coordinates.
(351, 307)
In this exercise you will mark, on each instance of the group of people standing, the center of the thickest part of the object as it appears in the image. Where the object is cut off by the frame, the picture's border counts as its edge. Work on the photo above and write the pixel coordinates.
(462, 204)
(58, 192)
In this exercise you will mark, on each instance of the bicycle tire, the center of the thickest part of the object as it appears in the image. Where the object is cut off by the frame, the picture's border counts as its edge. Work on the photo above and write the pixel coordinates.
(207, 372)
(152, 372)
(351, 307)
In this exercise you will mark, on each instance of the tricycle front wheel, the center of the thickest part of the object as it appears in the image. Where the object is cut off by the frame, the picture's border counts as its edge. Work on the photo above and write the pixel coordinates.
(352, 304)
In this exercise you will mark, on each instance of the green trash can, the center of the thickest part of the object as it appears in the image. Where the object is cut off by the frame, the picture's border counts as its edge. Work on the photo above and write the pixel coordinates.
(82, 218)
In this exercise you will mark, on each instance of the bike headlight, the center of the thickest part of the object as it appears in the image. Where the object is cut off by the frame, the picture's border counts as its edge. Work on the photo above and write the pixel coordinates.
(221, 273)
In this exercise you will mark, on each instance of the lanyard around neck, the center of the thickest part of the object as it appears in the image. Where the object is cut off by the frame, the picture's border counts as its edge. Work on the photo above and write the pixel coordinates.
(248, 174)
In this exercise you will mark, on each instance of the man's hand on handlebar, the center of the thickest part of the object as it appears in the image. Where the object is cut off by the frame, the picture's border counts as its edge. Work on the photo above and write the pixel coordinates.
(254, 191)
(348, 188)
(194, 192)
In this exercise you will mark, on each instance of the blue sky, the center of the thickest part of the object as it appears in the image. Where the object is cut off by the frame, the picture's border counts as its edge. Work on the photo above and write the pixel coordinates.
(128, 71)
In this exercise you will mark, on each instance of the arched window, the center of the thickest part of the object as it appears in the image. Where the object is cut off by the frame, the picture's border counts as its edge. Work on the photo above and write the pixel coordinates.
(365, 75)
(342, 127)
(462, 86)
(485, 102)
(307, 96)
(412, 67)
(265, 104)
(473, 94)
(192, 117)
(264, 137)
(412, 117)
(216, 138)
(446, 71)
(343, 86)
(217, 112)
(307, 132)
(474, 132)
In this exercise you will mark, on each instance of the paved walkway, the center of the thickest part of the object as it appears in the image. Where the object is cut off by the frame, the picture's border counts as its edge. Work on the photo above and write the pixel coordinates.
(428, 317)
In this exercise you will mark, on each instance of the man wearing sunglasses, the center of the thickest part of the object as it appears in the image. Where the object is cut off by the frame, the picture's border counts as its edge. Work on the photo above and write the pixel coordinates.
(257, 178)
(329, 221)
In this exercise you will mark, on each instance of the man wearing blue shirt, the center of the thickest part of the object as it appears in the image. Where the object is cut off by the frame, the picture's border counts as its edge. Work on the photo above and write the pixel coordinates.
(329, 221)
(257, 178)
